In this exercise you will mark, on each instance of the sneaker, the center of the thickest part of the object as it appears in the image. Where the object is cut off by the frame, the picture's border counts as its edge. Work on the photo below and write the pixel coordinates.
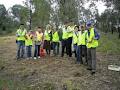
(39, 57)
(35, 58)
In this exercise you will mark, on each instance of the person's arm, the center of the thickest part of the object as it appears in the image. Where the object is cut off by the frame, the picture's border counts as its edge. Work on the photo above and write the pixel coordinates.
(17, 33)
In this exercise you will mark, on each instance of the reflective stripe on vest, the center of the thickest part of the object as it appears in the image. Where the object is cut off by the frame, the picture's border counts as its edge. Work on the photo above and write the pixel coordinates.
(39, 36)
(28, 40)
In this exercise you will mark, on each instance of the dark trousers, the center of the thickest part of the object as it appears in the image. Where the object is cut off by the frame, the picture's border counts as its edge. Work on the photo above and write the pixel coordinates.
(69, 46)
(75, 49)
(56, 48)
(81, 52)
(20, 49)
(84, 52)
(64, 46)
(29, 51)
(91, 54)
(37, 51)
(47, 46)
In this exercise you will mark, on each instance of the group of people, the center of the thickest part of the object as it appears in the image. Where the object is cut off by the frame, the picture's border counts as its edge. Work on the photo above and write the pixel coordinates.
(83, 38)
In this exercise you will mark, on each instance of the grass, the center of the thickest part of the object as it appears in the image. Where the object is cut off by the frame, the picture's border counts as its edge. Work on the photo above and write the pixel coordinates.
(7, 84)
(109, 43)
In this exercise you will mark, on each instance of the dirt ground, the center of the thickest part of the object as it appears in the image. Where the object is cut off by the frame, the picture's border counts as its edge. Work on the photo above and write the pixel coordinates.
(55, 73)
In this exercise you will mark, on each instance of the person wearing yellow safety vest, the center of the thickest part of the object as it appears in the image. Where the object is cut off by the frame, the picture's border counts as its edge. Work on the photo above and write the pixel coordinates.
(64, 39)
(47, 39)
(38, 38)
(55, 41)
(20, 37)
(82, 49)
(75, 39)
(70, 30)
(92, 44)
(28, 44)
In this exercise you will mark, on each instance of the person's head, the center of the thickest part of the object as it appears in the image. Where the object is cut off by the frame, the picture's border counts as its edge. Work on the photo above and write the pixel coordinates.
(71, 23)
(66, 24)
(76, 28)
(30, 32)
(39, 29)
(21, 26)
(82, 27)
(89, 25)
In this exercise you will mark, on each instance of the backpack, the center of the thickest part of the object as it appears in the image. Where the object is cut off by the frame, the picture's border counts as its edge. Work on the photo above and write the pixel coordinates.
(97, 35)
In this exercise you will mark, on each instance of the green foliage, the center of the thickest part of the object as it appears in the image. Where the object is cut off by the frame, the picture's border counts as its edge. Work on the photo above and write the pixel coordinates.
(2, 10)
(68, 10)
(109, 44)
(110, 14)
(42, 13)
(7, 25)
(21, 13)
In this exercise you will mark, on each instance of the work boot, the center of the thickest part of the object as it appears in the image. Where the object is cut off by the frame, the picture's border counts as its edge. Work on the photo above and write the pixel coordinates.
(89, 69)
(93, 72)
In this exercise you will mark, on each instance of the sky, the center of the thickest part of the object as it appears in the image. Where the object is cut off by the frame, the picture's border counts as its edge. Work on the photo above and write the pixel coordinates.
(10, 3)
(100, 6)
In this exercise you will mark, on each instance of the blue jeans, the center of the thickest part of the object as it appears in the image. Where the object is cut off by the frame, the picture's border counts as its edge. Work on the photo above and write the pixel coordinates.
(29, 51)
(79, 56)
(56, 48)
(37, 51)
(20, 49)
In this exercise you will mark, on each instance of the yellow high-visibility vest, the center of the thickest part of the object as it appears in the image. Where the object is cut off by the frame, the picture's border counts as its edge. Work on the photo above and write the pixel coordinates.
(55, 37)
(39, 36)
(29, 40)
(64, 33)
(21, 34)
(82, 38)
(70, 30)
(46, 35)
(91, 42)
(75, 37)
